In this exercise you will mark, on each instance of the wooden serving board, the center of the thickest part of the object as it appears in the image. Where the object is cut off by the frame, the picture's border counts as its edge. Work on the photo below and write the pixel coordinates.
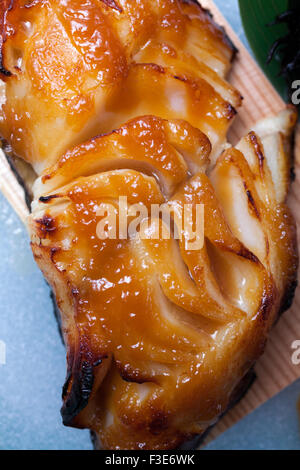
(275, 370)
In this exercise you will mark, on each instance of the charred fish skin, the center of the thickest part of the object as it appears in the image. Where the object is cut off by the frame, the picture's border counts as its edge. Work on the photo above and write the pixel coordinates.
(160, 338)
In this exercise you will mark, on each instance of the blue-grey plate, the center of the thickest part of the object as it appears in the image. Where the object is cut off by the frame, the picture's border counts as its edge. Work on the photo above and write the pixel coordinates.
(32, 377)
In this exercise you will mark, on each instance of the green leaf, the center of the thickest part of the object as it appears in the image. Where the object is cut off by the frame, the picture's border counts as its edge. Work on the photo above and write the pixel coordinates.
(257, 15)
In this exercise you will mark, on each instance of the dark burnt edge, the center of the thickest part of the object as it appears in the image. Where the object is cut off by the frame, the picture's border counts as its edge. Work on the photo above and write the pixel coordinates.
(94, 440)
(57, 314)
(251, 202)
(77, 400)
(290, 288)
(258, 148)
(83, 381)
(81, 365)
(82, 386)
(230, 43)
(3, 71)
(288, 297)
(46, 199)
(293, 146)
(293, 156)
(6, 7)
(221, 28)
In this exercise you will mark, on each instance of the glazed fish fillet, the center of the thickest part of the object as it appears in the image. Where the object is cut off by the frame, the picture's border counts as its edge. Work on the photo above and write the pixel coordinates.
(111, 100)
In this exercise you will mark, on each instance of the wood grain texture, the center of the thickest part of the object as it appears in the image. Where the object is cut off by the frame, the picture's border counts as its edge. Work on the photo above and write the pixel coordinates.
(11, 189)
(275, 370)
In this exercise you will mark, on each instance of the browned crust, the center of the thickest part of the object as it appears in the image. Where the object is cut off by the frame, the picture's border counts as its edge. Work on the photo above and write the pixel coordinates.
(45, 225)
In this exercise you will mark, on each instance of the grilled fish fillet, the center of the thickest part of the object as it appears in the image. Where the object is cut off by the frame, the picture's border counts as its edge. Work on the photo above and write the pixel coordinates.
(114, 99)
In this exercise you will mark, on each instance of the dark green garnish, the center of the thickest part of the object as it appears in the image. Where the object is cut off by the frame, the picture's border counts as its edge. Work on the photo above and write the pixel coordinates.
(287, 47)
